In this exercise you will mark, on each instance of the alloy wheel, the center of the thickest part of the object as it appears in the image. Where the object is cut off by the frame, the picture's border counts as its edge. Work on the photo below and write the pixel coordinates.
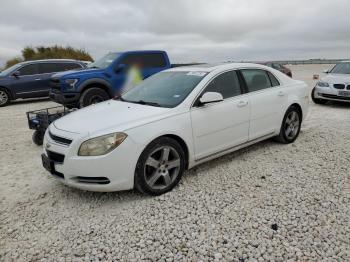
(162, 167)
(292, 125)
(3, 97)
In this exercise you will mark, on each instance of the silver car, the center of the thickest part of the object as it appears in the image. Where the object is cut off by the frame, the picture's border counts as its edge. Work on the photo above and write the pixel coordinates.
(334, 86)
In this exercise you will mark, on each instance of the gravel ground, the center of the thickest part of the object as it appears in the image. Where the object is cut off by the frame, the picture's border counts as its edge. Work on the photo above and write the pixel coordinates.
(266, 202)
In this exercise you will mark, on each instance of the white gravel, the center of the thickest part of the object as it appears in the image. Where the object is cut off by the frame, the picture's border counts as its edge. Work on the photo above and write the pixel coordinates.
(223, 210)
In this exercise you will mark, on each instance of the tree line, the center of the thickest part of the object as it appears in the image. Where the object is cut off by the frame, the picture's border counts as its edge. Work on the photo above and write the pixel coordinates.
(50, 52)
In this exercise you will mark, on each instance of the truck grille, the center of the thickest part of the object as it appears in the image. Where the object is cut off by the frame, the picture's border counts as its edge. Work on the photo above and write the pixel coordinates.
(55, 84)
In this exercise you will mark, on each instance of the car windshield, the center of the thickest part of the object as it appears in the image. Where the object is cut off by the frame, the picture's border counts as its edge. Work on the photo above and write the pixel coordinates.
(165, 89)
(105, 61)
(10, 70)
(341, 68)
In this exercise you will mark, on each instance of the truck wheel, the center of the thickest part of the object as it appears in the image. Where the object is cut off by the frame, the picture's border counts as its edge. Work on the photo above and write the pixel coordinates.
(38, 138)
(93, 95)
(4, 97)
(317, 100)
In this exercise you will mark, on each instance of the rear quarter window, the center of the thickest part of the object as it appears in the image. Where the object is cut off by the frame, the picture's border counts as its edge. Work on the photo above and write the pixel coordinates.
(273, 79)
(256, 79)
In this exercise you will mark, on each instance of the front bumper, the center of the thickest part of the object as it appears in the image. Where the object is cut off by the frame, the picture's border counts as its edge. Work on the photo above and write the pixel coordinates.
(64, 98)
(330, 93)
(111, 172)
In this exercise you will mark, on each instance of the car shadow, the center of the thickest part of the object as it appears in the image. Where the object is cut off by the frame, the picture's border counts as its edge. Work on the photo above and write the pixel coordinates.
(338, 105)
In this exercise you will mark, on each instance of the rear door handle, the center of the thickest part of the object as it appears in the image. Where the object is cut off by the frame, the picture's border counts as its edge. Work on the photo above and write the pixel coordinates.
(242, 103)
(280, 93)
(37, 79)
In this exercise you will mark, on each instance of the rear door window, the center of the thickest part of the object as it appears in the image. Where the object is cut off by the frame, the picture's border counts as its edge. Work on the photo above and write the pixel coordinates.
(31, 69)
(152, 60)
(226, 84)
(45, 68)
(256, 79)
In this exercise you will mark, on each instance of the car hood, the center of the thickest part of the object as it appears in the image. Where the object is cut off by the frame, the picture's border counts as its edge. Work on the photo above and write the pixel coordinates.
(337, 78)
(77, 73)
(110, 116)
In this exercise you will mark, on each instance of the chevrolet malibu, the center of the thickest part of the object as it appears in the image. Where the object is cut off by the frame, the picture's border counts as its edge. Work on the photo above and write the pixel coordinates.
(173, 121)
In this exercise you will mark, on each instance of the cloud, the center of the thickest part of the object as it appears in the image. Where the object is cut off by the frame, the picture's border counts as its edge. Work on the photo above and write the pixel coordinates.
(196, 30)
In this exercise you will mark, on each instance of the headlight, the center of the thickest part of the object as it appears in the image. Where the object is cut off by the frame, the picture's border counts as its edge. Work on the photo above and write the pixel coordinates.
(323, 84)
(71, 82)
(101, 145)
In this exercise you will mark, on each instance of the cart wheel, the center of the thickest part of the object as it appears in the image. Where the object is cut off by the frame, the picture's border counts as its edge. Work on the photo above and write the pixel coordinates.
(38, 138)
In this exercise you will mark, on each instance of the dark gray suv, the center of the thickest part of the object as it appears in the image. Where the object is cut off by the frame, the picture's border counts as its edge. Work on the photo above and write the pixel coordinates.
(31, 79)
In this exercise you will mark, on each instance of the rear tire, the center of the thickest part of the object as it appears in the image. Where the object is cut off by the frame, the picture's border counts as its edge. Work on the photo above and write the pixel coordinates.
(5, 98)
(290, 127)
(317, 100)
(160, 167)
(93, 95)
(38, 138)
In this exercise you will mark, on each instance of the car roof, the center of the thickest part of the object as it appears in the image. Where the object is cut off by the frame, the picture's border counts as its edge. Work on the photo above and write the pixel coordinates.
(220, 66)
(50, 60)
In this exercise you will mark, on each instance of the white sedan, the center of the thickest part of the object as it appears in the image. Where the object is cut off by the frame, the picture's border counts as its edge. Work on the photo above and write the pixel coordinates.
(335, 86)
(171, 122)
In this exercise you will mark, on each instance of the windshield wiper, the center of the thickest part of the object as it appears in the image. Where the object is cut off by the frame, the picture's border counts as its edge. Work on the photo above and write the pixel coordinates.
(141, 102)
(94, 67)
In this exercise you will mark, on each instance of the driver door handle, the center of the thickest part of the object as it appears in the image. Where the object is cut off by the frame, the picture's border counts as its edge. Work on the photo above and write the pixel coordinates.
(242, 103)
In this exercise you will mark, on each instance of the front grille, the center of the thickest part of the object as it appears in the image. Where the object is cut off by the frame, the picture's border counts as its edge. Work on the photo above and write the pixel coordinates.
(92, 180)
(339, 86)
(336, 97)
(56, 157)
(55, 84)
(59, 139)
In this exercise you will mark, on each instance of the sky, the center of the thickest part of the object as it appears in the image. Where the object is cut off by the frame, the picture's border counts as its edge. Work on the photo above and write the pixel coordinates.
(189, 30)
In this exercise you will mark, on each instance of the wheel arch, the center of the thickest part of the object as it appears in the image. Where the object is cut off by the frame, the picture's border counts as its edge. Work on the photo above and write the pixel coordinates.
(300, 109)
(98, 83)
(8, 91)
(181, 142)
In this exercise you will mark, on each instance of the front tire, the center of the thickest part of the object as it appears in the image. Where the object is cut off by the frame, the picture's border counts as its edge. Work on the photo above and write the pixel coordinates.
(290, 127)
(38, 138)
(160, 167)
(92, 96)
(317, 100)
(4, 97)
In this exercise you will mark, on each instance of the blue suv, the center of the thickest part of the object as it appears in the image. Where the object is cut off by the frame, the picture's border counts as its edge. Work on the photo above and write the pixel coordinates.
(31, 79)
(104, 78)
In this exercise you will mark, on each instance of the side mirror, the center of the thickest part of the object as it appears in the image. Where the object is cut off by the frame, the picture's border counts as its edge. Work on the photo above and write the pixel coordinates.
(326, 71)
(16, 74)
(211, 97)
(119, 68)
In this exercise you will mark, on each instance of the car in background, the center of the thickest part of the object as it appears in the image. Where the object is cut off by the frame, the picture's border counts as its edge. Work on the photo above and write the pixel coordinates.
(104, 78)
(279, 67)
(172, 121)
(31, 79)
(335, 86)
